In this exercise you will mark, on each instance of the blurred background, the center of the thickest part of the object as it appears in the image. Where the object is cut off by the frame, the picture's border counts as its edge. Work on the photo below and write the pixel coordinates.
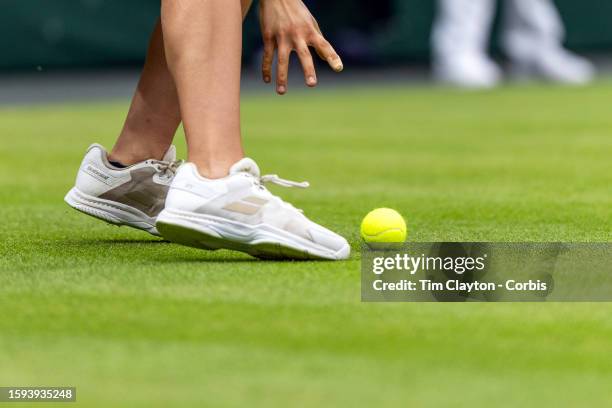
(470, 41)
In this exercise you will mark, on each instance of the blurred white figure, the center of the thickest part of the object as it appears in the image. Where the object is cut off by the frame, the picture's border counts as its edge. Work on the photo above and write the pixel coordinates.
(532, 38)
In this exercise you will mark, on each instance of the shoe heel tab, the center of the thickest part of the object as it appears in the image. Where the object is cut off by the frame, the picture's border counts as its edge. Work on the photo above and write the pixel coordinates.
(189, 169)
(96, 146)
(97, 153)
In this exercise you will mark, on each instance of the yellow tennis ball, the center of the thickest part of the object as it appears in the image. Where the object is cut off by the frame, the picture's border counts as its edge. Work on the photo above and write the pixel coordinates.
(383, 226)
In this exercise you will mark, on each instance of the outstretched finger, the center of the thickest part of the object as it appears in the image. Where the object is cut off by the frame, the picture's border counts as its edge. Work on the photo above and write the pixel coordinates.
(327, 53)
(310, 74)
(268, 60)
(282, 69)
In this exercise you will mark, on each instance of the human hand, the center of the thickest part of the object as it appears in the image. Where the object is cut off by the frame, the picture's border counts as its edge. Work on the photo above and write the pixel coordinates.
(287, 26)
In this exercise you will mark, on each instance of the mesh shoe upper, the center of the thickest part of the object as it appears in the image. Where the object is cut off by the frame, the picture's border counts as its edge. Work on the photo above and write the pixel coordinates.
(243, 197)
(143, 186)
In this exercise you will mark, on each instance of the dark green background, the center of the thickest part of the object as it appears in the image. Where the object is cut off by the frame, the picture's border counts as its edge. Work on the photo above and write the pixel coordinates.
(103, 33)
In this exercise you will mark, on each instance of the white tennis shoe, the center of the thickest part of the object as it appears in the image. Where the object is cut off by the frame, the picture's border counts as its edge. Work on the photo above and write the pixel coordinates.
(238, 213)
(131, 196)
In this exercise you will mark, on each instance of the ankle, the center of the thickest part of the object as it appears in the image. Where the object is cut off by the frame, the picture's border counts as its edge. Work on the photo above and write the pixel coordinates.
(214, 169)
(128, 157)
(124, 159)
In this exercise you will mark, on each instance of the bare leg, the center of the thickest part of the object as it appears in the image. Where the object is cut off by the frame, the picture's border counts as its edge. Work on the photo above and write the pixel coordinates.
(154, 114)
(203, 48)
(203, 42)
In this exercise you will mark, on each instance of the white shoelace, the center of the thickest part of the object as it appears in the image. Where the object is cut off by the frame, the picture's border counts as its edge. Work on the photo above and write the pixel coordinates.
(166, 168)
(274, 179)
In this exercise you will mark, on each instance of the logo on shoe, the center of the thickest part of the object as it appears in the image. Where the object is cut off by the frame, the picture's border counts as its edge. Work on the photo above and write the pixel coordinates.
(247, 206)
(97, 173)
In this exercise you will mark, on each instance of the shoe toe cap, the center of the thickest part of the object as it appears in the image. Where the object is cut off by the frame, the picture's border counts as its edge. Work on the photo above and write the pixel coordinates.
(331, 241)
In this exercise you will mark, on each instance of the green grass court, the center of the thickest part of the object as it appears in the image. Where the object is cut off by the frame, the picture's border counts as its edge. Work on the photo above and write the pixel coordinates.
(132, 321)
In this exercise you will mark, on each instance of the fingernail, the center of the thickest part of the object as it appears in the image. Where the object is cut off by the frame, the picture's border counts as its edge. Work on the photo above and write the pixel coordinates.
(282, 89)
(336, 64)
(311, 80)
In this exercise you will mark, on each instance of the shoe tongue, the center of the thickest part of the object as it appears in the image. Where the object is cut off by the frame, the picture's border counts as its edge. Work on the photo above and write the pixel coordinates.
(245, 165)
(170, 155)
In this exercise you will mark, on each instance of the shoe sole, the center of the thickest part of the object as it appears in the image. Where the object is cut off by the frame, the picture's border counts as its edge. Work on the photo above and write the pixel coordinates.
(212, 233)
(109, 211)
